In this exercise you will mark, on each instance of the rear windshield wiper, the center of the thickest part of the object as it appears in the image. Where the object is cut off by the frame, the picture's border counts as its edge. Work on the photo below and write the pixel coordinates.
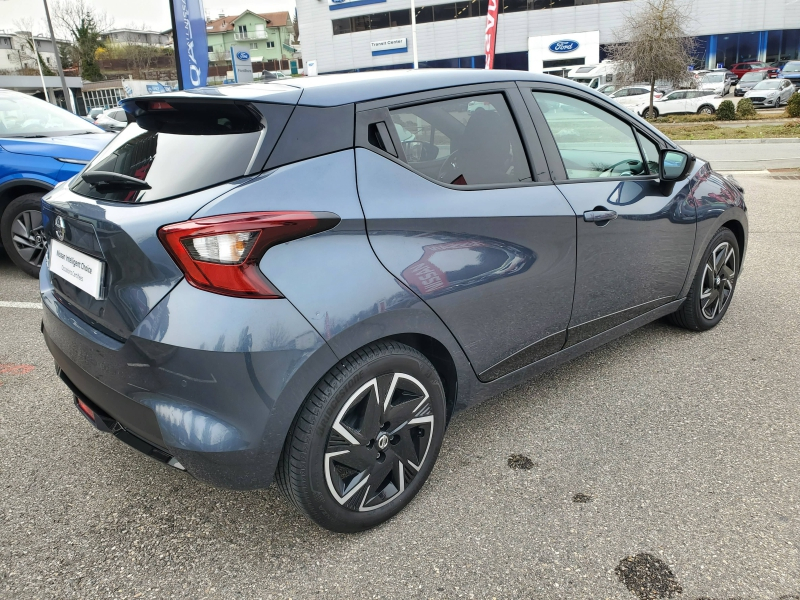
(110, 181)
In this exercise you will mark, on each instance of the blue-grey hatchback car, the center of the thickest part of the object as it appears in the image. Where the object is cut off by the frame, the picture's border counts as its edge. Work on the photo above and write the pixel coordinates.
(305, 279)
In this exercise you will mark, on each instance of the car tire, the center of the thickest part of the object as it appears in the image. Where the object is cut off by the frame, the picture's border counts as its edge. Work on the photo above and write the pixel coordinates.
(345, 464)
(646, 113)
(21, 232)
(706, 109)
(717, 274)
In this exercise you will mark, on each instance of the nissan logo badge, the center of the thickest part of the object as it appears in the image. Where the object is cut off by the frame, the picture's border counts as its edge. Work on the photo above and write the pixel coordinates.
(61, 228)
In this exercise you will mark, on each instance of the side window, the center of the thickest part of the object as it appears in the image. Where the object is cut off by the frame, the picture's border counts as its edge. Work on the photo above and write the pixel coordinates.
(592, 142)
(463, 141)
(621, 93)
(650, 153)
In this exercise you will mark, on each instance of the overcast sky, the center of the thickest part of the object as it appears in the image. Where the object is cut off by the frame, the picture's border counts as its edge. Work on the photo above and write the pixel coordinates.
(154, 14)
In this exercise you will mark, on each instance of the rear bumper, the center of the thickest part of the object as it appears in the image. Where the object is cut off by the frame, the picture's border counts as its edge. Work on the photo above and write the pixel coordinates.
(222, 413)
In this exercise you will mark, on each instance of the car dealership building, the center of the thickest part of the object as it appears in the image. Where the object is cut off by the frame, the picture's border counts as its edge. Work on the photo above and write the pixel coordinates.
(535, 35)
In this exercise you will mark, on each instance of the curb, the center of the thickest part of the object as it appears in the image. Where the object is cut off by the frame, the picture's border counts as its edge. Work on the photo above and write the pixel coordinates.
(747, 141)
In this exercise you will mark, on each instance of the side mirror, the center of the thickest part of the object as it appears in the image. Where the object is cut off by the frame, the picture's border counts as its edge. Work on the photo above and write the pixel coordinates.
(674, 164)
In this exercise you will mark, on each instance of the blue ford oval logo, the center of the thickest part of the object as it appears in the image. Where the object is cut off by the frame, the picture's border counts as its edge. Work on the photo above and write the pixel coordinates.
(563, 46)
(243, 55)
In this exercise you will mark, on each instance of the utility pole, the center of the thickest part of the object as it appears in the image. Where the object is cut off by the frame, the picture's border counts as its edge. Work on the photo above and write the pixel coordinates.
(414, 33)
(64, 87)
(39, 64)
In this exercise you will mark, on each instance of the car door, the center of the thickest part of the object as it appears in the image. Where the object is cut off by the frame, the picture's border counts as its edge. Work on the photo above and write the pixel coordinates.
(675, 102)
(635, 236)
(787, 89)
(460, 208)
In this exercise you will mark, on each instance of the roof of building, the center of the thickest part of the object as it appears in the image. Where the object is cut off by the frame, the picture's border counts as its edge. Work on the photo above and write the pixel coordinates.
(124, 30)
(274, 19)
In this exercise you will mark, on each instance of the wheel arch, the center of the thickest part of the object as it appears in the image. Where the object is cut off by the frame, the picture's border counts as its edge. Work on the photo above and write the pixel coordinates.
(19, 187)
(707, 105)
(741, 237)
(440, 358)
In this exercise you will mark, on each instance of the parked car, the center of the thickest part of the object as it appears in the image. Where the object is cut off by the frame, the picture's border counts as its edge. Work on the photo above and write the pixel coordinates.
(771, 93)
(791, 72)
(113, 119)
(682, 101)
(779, 64)
(746, 67)
(40, 145)
(732, 77)
(716, 83)
(93, 113)
(322, 322)
(608, 88)
(272, 75)
(748, 80)
(633, 95)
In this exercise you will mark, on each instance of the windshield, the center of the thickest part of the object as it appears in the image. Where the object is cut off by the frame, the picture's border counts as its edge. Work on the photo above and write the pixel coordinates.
(769, 84)
(716, 78)
(792, 67)
(753, 76)
(25, 116)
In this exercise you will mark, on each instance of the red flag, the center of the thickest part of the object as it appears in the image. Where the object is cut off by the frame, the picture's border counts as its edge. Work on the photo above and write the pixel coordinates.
(491, 33)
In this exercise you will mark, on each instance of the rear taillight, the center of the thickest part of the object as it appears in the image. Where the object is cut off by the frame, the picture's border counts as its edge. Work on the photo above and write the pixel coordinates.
(221, 254)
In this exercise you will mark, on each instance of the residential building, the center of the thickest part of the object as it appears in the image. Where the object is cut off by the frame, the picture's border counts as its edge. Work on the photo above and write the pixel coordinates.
(268, 36)
(136, 36)
(354, 35)
(16, 54)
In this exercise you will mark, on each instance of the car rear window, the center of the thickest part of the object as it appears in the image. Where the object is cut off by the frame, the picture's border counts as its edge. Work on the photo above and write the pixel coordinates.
(175, 148)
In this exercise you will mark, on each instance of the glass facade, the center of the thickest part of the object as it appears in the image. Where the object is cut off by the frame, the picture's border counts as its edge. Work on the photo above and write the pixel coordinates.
(447, 11)
(106, 98)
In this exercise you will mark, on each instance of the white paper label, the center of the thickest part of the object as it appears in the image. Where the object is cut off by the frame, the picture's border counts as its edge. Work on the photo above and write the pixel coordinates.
(79, 269)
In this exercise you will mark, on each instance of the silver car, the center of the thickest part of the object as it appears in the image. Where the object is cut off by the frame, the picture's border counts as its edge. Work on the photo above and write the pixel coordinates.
(771, 93)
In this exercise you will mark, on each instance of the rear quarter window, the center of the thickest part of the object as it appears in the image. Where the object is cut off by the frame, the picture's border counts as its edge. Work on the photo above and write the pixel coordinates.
(182, 149)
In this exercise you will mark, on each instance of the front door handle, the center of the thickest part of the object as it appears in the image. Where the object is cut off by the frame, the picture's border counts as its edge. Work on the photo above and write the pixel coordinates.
(597, 216)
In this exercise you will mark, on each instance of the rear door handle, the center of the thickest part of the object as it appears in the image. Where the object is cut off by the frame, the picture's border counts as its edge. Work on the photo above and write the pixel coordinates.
(595, 216)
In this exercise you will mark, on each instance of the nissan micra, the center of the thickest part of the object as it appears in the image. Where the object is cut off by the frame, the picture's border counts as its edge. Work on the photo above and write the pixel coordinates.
(303, 280)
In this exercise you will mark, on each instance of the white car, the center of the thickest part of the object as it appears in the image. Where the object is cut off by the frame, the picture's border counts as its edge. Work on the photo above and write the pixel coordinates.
(633, 95)
(682, 101)
(716, 82)
(771, 93)
(113, 119)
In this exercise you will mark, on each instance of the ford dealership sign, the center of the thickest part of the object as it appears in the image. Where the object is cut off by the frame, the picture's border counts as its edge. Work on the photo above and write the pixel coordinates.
(243, 55)
(563, 46)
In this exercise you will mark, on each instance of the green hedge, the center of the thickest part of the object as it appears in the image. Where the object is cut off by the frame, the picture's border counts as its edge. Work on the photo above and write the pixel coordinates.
(726, 111)
(745, 109)
(793, 108)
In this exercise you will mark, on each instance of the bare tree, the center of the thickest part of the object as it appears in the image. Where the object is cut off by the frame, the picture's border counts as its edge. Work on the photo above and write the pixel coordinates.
(653, 45)
(83, 23)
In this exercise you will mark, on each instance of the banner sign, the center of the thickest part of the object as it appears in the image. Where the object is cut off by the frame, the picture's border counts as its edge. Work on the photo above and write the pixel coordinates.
(337, 4)
(191, 45)
(491, 33)
(389, 47)
(242, 65)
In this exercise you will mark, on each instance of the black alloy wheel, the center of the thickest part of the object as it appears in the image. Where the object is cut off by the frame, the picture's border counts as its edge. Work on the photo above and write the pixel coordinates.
(719, 277)
(713, 286)
(23, 234)
(366, 438)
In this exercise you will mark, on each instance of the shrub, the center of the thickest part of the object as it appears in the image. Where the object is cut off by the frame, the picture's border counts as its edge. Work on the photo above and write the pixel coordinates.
(793, 108)
(726, 111)
(745, 109)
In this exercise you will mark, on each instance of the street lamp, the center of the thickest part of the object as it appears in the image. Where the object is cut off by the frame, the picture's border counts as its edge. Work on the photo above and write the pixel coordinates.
(414, 34)
(64, 87)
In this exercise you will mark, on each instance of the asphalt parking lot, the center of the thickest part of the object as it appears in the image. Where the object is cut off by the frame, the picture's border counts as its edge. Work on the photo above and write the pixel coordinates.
(680, 451)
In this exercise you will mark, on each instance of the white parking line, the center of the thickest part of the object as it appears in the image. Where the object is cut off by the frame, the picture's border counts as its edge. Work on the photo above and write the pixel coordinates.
(6, 304)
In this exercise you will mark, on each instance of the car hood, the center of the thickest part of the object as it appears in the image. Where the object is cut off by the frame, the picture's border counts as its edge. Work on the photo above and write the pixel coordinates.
(751, 93)
(77, 147)
(792, 75)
